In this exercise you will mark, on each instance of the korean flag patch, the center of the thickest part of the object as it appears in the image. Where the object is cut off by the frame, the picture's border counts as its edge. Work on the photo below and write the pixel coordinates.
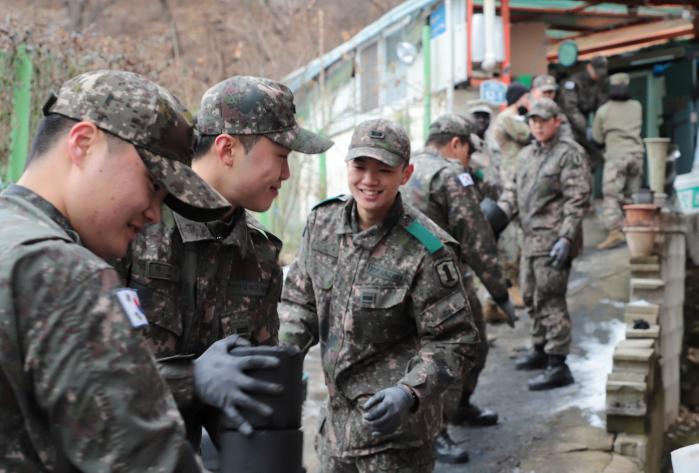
(128, 299)
(465, 179)
(569, 84)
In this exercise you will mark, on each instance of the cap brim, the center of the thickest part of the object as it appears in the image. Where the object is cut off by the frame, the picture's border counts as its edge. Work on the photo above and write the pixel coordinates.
(301, 140)
(379, 154)
(548, 88)
(543, 115)
(188, 194)
(481, 110)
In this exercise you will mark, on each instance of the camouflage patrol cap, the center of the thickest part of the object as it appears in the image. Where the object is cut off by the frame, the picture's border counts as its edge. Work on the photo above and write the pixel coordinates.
(380, 139)
(544, 108)
(450, 124)
(146, 115)
(246, 105)
(545, 83)
(620, 78)
(477, 105)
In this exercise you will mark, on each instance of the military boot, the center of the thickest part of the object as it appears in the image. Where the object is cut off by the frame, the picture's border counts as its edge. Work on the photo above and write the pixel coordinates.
(536, 360)
(615, 238)
(474, 415)
(492, 313)
(556, 375)
(448, 451)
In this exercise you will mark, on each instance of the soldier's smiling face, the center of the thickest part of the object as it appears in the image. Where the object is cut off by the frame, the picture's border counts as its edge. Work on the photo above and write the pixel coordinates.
(374, 184)
(112, 195)
(544, 129)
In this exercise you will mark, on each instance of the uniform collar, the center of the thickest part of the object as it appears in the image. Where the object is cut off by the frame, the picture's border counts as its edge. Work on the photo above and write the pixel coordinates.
(232, 231)
(46, 207)
(346, 221)
(548, 146)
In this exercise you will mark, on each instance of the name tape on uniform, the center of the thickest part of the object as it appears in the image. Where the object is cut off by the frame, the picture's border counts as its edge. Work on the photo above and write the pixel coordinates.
(465, 179)
(128, 299)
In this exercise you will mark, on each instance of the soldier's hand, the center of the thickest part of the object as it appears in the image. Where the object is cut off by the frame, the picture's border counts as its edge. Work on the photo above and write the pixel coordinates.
(560, 253)
(220, 381)
(386, 410)
(509, 309)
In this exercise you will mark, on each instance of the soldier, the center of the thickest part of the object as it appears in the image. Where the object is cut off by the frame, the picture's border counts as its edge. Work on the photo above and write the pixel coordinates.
(549, 193)
(581, 95)
(617, 126)
(545, 86)
(485, 158)
(79, 390)
(200, 282)
(378, 284)
(442, 188)
(510, 133)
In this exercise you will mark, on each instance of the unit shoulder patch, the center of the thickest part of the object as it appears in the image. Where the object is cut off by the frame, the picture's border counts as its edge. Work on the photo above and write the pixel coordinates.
(128, 300)
(447, 272)
(466, 179)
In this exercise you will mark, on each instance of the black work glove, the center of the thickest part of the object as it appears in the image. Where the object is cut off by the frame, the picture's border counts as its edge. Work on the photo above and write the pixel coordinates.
(558, 257)
(509, 309)
(386, 410)
(522, 111)
(220, 381)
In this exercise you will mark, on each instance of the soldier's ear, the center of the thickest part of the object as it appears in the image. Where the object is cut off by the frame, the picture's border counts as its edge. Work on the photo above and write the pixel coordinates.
(407, 172)
(227, 148)
(81, 137)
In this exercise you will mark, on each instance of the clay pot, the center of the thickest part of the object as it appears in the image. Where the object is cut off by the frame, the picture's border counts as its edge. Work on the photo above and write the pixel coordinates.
(640, 214)
(641, 240)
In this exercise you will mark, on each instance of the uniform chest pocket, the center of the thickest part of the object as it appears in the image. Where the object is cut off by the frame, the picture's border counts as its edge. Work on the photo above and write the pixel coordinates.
(158, 285)
(322, 268)
(381, 313)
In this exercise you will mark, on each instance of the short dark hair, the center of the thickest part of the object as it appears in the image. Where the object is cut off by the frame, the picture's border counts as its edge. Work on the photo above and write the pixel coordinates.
(49, 129)
(205, 142)
(442, 139)
(619, 92)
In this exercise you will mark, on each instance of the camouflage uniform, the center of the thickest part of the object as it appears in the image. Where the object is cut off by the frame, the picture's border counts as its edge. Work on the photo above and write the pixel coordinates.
(79, 390)
(549, 193)
(580, 96)
(445, 192)
(388, 307)
(618, 124)
(201, 282)
(510, 132)
(485, 159)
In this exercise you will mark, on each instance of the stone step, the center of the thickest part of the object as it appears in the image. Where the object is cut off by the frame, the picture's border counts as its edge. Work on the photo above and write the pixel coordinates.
(627, 398)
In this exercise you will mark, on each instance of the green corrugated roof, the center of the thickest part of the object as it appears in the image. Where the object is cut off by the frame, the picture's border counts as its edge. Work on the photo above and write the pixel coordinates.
(611, 8)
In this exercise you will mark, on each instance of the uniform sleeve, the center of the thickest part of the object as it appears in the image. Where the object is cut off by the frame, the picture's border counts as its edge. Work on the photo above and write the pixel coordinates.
(575, 182)
(569, 95)
(516, 129)
(297, 311)
(445, 327)
(90, 371)
(598, 128)
(469, 227)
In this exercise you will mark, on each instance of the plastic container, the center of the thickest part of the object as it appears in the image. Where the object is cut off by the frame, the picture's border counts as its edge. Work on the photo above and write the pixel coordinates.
(289, 373)
(687, 189)
(656, 150)
(265, 451)
(685, 459)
